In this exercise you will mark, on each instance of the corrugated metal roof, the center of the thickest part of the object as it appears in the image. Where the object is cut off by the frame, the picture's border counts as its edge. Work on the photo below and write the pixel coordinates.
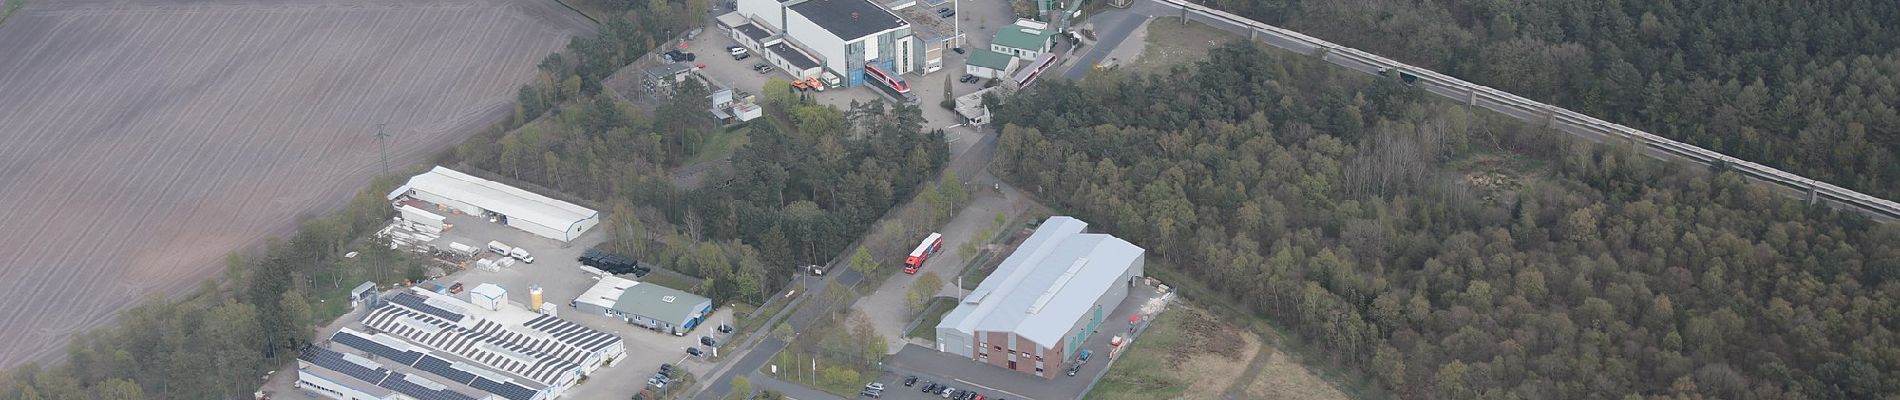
(500, 198)
(659, 302)
(1048, 284)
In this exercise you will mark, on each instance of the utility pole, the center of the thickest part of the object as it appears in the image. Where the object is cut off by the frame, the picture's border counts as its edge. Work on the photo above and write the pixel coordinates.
(382, 140)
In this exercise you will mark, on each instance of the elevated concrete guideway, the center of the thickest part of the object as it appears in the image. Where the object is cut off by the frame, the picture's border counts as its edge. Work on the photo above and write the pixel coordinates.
(1113, 26)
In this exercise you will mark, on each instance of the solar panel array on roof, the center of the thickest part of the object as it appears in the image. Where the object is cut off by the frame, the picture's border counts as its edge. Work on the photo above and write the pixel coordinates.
(364, 343)
(470, 375)
(534, 365)
(332, 360)
(420, 388)
(572, 333)
(419, 303)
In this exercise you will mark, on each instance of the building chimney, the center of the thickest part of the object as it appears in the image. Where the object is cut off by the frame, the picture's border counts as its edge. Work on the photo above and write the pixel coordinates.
(854, 15)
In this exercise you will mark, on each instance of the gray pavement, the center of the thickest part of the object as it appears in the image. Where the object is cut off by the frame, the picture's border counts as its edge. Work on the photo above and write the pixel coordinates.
(886, 308)
(1112, 27)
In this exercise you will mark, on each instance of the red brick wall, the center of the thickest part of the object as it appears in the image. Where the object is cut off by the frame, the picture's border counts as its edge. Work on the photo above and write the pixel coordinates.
(998, 352)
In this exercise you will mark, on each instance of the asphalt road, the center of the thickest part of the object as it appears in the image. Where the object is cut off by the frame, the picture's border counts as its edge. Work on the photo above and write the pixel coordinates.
(972, 162)
(1112, 27)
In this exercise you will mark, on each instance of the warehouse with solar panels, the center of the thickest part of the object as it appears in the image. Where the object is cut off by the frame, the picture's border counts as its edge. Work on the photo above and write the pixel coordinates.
(1044, 300)
(340, 375)
(497, 352)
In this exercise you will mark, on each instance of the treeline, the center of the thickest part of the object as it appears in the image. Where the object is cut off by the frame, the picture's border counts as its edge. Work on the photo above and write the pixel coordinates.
(797, 194)
(1806, 86)
(217, 341)
(1346, 210)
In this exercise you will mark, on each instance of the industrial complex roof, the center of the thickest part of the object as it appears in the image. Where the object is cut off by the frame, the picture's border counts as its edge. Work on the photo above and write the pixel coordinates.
(393, 351)
(989, 59)
(848, 19)
(1023, 35)
(497, 197)
(792, 55)
(659, 302)
(1047, 284)
(513, 356)
(753, 31)
(380, 379)
(924, 22)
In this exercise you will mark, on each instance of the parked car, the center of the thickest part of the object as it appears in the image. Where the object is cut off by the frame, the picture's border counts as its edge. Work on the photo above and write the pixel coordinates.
(946, 12)
(959, 50)
(723, 328)
(708, 340)
(871, 393)
(741, 56)
(456, 288)
(930, 387)
(967, 78)
(763, 68)
(874, 386)
(910, 381)
(694, 351)
(736, 50)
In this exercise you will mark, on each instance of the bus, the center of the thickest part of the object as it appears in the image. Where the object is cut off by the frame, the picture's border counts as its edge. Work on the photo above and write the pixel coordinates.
(923, 252)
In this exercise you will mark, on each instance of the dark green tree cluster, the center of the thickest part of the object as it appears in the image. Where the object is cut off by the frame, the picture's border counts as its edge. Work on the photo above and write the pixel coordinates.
(1806, 86)
(797, 195)
(634, 30)
(1327, 202)
(218, 340)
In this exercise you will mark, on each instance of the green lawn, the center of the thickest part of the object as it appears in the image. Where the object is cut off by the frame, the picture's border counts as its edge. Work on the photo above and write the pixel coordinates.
(721, 144)
(933, 313)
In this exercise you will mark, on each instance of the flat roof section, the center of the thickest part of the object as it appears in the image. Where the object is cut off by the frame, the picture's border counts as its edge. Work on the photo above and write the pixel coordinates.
(848, 19)
(659, 302)
(752, 30)
(925, 24)
(792, 55)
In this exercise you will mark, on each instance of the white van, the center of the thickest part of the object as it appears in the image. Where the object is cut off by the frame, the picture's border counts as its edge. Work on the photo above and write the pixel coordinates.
(521, 254)
(499, 248)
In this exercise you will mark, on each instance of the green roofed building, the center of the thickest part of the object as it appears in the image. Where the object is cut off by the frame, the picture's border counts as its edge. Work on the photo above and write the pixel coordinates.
(1024, 39)
(653, 306)
(988, 64)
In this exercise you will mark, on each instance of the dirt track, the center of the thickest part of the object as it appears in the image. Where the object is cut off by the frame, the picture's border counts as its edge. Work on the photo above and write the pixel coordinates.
(142, 140)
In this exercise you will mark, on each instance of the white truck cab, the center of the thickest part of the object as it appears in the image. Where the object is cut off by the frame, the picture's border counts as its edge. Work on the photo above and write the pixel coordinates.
(521, 254)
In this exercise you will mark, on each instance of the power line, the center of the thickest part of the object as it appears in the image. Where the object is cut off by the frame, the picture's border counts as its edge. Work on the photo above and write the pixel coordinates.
(383, 142)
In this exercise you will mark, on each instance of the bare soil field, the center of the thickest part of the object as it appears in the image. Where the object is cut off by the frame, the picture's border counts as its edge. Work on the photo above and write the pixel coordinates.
(1190, 353)
(140, 141)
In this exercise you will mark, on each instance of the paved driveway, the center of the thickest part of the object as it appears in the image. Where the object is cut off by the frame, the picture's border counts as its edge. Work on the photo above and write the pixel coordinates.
(886, 307)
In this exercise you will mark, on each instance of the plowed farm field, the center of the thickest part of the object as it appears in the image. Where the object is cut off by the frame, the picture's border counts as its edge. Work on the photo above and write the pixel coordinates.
(140, 141)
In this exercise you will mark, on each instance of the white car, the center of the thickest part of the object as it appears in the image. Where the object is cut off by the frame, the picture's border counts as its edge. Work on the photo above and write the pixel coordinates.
(737, 51)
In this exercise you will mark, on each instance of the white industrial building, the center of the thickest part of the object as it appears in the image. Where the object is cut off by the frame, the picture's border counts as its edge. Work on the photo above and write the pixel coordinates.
(1043, 301)
(810, 37)
(653, 306)
(448, 189)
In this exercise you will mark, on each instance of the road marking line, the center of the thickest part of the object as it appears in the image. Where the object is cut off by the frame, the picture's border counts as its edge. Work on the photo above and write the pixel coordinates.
(1012, 394)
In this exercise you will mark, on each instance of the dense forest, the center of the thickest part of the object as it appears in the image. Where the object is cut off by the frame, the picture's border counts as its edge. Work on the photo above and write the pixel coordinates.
(1807, 86)
(797, 195)
(1447, 254)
